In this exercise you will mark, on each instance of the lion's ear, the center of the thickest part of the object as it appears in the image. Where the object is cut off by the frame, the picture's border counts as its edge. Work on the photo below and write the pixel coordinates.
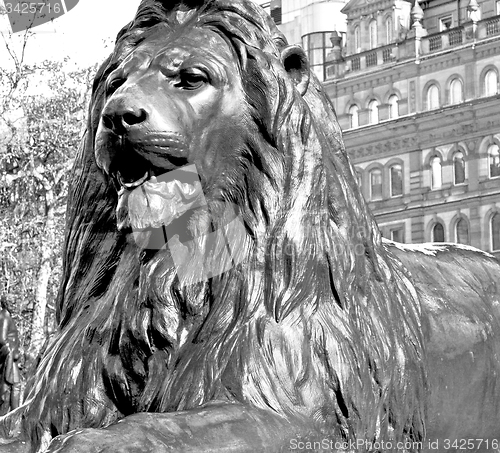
(295, 61)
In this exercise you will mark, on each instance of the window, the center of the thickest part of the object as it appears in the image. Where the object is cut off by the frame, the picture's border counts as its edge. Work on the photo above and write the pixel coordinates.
(372, 31)
(317, 46)
(490, 83)
(432, 97)
(438, 233)
(456, 92)
(373, 112)
(376, 184)
(275, 8)
(494, 160)
(436, 176)
(458, 168)
(495, 231)
(354, 112)
(445, 23)
(397, 235)
(396, 175)
(357, 39)
(389, 30)
(462, 232)
(393, 106)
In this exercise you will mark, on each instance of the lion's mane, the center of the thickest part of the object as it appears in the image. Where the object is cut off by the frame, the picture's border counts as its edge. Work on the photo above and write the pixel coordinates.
(318, 322)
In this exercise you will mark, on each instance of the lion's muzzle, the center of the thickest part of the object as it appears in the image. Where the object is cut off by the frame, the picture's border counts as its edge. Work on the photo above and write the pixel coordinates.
(133, 136)
(147, 160)
(122, 119)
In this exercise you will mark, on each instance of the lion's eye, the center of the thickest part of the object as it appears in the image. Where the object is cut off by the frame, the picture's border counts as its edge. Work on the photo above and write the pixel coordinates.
(191, 79)
(114, 84)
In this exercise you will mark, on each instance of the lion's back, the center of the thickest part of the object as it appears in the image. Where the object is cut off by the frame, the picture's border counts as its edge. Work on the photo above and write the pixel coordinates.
(459, 292)
(453, 278)
(451, 271)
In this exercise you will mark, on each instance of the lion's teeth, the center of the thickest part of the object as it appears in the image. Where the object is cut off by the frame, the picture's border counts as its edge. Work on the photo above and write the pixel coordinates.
(153, 179)
(131, 185)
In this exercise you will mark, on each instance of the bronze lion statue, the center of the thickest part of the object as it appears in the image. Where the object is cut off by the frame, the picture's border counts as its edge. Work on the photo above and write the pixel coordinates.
(226, 287)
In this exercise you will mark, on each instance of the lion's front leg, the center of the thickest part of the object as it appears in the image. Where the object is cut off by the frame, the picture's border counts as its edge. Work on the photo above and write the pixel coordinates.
(214, 428)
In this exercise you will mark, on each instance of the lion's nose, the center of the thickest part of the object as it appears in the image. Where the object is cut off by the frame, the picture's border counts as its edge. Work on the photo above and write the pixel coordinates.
(121, 120)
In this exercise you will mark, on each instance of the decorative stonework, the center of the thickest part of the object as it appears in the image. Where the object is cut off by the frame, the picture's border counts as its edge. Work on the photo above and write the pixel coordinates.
(383, 148)
(421, 139)
(448, 62)
(413, 97)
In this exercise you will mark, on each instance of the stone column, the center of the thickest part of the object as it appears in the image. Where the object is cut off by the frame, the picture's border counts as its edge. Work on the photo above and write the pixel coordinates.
(417, 14)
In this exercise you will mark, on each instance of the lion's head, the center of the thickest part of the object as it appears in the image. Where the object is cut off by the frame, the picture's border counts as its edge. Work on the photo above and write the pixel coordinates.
(173, 105)
(206, 101)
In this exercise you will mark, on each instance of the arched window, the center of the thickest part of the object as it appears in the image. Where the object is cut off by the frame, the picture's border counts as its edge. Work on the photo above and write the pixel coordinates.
(432, 97)
(495, 231)
(393, 106)
(354, 119)
(438, 233)
(490, 83)
(373, 111)
(494, 160)
(458, 168)
(376, 184)
(372, 31)
(389, 27)
(456, 91)
(462, 231)
(396, 175)
(436, 175)
(357, 39)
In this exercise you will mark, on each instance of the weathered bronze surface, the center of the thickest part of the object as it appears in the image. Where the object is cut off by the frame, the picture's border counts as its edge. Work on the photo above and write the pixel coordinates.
(225, 285)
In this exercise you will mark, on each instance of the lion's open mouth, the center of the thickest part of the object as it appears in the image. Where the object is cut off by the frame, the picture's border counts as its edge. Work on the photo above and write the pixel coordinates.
(131, 185)
(155, 201)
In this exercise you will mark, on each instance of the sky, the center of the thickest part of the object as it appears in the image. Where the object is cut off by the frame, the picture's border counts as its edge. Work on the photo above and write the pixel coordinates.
(81, 33)
(86, 33)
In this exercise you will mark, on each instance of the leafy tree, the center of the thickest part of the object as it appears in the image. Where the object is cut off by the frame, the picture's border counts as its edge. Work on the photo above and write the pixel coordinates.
(41, 116)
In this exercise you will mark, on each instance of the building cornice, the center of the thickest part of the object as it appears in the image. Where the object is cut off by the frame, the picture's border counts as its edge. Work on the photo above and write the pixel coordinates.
(462, 122)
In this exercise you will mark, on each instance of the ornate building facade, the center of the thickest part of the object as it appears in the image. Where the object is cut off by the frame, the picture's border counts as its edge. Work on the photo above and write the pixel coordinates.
(309, 23)
(416, 90)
